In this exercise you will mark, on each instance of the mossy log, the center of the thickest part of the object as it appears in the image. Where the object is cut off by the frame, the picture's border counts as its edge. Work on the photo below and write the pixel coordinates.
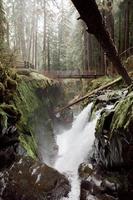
(90, 94)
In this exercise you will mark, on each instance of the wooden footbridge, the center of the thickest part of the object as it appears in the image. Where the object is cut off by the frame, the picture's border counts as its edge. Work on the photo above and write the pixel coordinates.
(60, 74)
(71, 74)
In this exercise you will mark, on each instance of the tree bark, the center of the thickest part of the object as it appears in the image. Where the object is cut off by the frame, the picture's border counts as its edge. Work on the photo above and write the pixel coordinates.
(90, 14)
(127, 27)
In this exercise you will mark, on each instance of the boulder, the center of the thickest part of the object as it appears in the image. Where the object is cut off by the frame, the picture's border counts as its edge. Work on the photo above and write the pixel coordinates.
(28, 179)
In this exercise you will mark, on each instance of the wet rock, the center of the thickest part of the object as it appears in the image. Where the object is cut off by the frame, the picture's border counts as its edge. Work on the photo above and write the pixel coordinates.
(8, 146)
(106, 197)
(104, 123)
(84, 170)
(114, 135)
(113, 152)
(29, 179)
(126, 196)
(130, 177)
(111, 185)
(103, 184)
(7, 157)
(110, 96)
(91, 186)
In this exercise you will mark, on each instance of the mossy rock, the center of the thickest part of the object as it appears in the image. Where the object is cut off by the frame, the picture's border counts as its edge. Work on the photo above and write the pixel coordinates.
(104, 123)
(35, 97)
(30, 145)
(2, 92)
(3, 120)
(8, 96)
(12, 74)
(9, 115)
(11, 84)
(114, 134)
(123, 116)
(12, 112)
(2, 89)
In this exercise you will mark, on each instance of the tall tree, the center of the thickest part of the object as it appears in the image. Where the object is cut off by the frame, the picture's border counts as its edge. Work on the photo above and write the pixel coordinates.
(2, 26)
(44, 32)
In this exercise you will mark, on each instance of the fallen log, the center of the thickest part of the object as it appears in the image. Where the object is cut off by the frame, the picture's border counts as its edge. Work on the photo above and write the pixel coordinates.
(90, 14)
(89, 94)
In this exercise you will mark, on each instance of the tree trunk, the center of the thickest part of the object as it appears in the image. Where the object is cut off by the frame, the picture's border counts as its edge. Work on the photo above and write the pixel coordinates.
(36, 41)
(86, 52)
(44, 35)
(8, 36)
(127, 27)
(90, 14)
(48, 56)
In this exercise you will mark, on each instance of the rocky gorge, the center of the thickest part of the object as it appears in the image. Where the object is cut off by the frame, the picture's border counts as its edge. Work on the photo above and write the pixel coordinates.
(28, 147)
(108, 173)
(25, 99)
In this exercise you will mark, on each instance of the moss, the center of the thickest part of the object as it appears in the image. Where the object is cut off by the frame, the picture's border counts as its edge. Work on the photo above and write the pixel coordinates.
(29, 144)
(33, 98)
(103, 122)
(96, 83)
(123, 114)
(114, 134)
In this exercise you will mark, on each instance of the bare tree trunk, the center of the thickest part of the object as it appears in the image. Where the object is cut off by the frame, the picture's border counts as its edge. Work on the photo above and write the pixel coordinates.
(119, 36)
(90, 14)
(29, 56)
(36, 39)
(33, 45)
(44, 34)
(29, 46)
(48, 54)
(127, 27)
(86, 51)
(8, 35)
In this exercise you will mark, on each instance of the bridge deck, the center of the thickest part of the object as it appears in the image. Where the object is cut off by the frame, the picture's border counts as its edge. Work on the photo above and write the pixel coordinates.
(71, 74)
(83, 76)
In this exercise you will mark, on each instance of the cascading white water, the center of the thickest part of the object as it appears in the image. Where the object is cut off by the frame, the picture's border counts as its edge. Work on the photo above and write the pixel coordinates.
(74, 146)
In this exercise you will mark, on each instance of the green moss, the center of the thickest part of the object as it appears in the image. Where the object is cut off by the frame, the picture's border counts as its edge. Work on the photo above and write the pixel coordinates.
(33, 96)
(123, 114)
(121, 119)
(29, 144)
(96, 83)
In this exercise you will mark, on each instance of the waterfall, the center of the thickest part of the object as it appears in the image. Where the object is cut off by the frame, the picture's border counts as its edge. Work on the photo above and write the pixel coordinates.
(74, 147)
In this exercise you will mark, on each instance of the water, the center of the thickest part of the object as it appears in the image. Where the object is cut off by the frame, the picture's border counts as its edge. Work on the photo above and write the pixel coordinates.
(74, 147)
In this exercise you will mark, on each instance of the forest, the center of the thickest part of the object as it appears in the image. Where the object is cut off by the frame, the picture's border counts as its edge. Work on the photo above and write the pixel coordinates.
(66, 99)
(48, 35)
